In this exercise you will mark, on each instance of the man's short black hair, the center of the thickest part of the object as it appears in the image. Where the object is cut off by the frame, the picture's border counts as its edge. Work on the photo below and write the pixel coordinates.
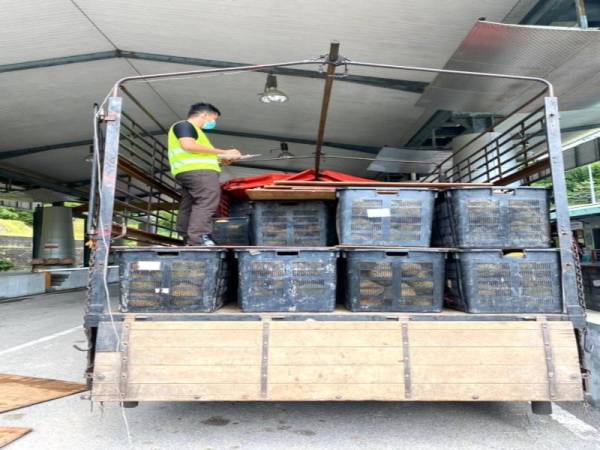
(197, 108)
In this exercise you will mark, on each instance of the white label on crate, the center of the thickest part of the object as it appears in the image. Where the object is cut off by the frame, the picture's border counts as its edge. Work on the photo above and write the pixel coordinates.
(596, 283)
(161, 290)
(378, 212)
(148, 265)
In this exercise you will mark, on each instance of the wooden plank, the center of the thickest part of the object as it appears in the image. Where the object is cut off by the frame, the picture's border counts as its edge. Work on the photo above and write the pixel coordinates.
(11, 434)
(333, 356)
(196, 356)
(179, 392)
(158, 374)
(197, 325)
(292, 194)
(339, 338)
(341, 392)
(418, 338)
(417, 325)
(377, 374)
(495, 392)
(464, 356)
(18, 391)
(195, 338)
(474, 356)
(336, 392)
(494, 374)
(382, 184)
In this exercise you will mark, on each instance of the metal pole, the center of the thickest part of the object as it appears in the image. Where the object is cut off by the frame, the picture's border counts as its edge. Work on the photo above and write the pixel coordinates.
(570, 295)
(592, 187)
(581, 14)
(98, 295)
(95, 158)
(332, 60)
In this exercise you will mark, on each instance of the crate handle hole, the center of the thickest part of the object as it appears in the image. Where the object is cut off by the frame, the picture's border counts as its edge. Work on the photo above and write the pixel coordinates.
(388, 192)
(503, 191)
(514, 252)
(287, 253)
(167, 253)
(396, 253)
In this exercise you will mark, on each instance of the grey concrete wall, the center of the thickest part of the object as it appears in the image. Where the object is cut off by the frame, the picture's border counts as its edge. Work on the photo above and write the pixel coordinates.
(21, 284)
(76, 278)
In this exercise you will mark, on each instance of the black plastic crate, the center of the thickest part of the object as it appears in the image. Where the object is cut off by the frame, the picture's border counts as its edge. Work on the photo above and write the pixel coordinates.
(172, 280)
(287, 223)
(387, 217)
(496, 281)
(493, 218)
(240, 208)
(231, 231)
(394, 280)
(287, 280)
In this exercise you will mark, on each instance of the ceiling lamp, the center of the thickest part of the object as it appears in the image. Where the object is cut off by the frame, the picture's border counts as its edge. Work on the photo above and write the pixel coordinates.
(271, 94)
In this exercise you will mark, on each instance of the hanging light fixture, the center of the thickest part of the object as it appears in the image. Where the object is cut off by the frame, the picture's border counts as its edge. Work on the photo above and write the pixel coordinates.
(271, 94)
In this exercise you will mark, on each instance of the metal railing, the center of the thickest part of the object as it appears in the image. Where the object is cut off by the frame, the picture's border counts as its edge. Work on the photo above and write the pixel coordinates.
(508, 152)
(146, 194)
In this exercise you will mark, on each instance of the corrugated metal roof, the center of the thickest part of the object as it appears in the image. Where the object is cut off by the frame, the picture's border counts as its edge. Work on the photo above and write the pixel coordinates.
(567, 57)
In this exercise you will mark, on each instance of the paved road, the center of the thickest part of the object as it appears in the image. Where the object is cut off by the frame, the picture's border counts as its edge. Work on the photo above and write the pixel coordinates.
(37, 337)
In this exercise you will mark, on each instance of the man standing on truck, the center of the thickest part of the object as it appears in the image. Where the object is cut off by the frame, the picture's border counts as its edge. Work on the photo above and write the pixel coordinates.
(196, 164)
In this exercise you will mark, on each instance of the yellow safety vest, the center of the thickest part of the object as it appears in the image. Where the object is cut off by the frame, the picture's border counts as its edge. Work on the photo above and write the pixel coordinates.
(182, 161)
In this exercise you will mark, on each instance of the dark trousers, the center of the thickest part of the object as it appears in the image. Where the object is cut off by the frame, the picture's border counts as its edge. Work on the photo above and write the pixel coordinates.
(200, 196)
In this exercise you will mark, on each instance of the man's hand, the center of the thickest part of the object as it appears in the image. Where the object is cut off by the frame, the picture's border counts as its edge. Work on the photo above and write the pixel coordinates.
(231, 155)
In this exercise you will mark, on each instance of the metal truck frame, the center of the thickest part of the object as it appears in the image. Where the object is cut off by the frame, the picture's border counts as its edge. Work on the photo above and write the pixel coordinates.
(235, 356)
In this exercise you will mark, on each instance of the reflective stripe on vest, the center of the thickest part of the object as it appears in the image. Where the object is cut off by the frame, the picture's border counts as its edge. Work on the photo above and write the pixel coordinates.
(182, 161)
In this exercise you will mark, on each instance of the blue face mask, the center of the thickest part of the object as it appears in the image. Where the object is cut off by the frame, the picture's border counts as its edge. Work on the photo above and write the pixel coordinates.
(211, 124)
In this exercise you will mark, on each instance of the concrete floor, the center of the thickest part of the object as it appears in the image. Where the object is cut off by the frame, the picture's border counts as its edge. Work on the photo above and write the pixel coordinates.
(37, 340)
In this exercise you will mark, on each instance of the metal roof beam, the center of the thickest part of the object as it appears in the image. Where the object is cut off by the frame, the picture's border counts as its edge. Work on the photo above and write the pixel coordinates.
(268, 137)
(60, 61)
(416, 87)
(21, 178)
(437, 120)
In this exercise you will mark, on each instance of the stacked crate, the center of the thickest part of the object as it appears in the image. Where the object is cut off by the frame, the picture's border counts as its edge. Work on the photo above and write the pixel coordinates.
(504, 263)
(389, 265)
(160, 279)
(292, 267)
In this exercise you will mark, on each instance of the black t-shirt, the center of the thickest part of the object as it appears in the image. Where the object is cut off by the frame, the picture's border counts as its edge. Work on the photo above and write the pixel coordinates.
(185, 129)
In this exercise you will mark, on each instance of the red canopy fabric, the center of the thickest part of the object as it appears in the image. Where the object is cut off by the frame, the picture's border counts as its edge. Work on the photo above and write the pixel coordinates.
(237, 187)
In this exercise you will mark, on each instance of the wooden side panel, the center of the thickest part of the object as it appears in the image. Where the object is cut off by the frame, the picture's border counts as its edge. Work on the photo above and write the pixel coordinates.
(334, 360)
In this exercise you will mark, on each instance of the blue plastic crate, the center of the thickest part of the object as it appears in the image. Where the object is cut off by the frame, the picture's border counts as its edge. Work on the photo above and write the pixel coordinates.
(497, 281)
(157, 279)
(386, 217)
(493, 218)
(394, 280)
(287, 280)
(290, 223)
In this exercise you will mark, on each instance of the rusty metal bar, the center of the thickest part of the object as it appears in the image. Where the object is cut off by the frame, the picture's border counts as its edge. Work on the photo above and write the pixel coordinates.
(332, 61)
